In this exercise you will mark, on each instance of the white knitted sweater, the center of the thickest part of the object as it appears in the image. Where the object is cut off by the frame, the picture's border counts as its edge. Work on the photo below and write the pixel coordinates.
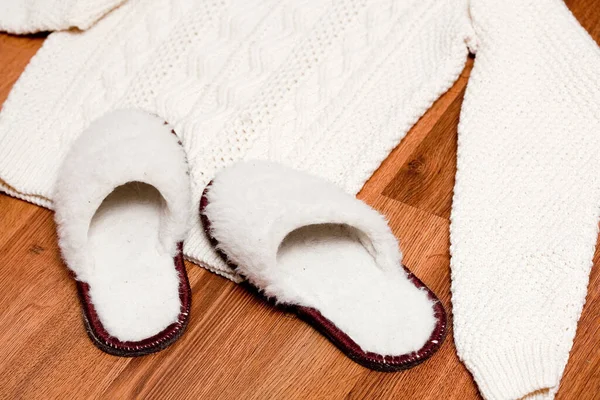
(331, 87)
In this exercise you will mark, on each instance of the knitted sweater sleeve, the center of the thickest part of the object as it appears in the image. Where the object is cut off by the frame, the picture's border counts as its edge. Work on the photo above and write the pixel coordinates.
(527, 195)
(30, 16)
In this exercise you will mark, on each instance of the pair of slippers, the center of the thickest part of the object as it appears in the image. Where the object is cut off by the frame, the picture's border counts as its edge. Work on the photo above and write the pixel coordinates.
(123, 206)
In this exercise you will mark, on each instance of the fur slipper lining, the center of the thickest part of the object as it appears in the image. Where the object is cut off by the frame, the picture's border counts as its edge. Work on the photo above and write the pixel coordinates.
(120, 147)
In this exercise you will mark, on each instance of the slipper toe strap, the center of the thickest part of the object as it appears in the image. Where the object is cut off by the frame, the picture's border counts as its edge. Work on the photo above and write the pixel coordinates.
(121, 147)
(252, 206)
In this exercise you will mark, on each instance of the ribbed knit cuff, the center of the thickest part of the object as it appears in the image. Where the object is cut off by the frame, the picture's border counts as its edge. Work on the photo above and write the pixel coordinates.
(25, 174)
(516, 372)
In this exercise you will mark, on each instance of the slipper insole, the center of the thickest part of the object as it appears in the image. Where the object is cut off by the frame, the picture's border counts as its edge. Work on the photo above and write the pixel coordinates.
(134, 285)
(328, 268)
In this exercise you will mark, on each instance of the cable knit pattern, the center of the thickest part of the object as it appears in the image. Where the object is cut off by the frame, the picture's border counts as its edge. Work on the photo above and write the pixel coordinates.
(73, 79)
(330, 87)
(527, 196)
(29, 16)
(240, 79)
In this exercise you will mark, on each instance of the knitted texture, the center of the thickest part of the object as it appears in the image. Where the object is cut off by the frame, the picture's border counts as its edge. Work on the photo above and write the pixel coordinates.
(29, 16)
(527, 196)
(313, 84)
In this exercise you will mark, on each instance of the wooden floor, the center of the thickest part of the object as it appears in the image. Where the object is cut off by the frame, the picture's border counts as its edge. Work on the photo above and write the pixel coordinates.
(237, 347)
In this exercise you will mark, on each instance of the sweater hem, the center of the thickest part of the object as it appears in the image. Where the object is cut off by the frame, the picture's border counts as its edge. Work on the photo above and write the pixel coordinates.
(37, 200)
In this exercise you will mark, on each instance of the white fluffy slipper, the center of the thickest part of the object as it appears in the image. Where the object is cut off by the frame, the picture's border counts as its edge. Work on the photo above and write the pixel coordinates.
(333, 260)
(122, 211)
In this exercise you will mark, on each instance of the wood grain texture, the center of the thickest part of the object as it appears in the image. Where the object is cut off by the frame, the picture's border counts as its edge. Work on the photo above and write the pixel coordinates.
(236, 346)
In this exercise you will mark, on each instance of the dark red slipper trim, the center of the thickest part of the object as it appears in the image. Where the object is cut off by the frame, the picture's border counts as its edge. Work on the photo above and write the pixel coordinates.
(348, 346)
(109, 344)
